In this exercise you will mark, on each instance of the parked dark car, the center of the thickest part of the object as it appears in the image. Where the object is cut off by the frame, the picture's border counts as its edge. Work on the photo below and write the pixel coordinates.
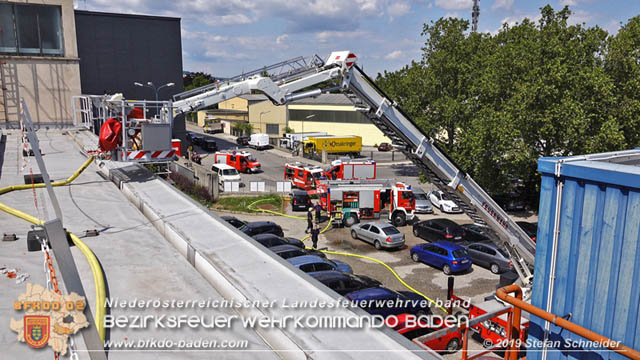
(376, 300)
(344, 283)
(510, 201)
(196, 139)
(444, 255)
(289, 251)
(261, 227)
(478, 233)
(530, 228)
(490, 256)
(300, 201)
(237, 223)
(438, 229)
(312, 264)
(384, 147)
(243, 140)
(209, 145)
(270, 240)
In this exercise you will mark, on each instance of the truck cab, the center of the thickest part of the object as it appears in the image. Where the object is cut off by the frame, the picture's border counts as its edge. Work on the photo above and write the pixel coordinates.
(305, 177)
(242, 161)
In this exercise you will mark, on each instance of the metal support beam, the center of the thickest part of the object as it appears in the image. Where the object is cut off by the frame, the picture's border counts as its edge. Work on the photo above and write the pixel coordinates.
(67, 267)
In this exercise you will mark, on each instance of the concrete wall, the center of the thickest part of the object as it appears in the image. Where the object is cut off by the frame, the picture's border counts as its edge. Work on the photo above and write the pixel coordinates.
(271, 114)
(46, 83)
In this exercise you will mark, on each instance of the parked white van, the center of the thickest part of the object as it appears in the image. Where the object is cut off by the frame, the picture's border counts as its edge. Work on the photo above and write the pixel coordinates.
(259, 141)
(225, 173)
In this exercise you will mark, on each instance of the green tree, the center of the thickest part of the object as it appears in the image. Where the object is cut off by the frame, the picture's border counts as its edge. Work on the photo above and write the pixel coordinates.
(198, 81)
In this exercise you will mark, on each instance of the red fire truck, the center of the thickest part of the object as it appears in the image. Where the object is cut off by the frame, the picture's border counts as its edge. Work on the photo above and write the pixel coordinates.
(242, 161)
(351, 169)
(350, 201)
(305, 177)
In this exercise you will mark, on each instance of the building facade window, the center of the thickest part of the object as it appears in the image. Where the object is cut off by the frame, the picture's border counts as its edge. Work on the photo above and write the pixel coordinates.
(31, 30)
(273, 129)
(353, 117)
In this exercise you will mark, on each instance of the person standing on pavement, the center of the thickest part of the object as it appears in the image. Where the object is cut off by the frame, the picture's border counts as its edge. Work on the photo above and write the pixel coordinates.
(318, 212)
(314, 236)
(309, 220)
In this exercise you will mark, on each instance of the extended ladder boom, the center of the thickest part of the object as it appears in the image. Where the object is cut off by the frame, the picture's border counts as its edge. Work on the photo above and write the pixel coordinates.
(441, 171)
(376, 105)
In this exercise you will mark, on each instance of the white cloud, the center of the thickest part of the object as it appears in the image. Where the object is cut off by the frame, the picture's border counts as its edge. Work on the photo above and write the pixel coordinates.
(455, 4)
(398, 9)
(281, 39)
(564, 3)
(579, 17)
(513, 20)
(394, 55)
(325, 36)
(451, 15)
(502, 4)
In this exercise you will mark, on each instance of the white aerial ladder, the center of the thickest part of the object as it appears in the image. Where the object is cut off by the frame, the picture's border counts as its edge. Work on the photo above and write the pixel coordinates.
(341, 70)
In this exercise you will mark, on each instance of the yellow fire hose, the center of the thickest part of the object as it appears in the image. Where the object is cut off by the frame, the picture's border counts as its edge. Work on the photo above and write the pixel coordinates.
(96, 270)
(250, 207)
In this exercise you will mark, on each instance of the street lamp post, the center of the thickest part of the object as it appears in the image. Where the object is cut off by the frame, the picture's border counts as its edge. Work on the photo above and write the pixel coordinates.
(262, 113)
(155, 89)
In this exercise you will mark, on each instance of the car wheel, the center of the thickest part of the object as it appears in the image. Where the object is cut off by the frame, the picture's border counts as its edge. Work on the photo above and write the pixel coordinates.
(415, 233)
(495, 268)
(453, 345)
(446, 269)
(399, 219)
(353, 234)
(415, 257)
(377, 245)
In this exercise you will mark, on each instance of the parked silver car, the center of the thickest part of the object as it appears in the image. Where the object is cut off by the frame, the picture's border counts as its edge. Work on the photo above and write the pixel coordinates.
(380, 234)
(423, 205)
(490, 256)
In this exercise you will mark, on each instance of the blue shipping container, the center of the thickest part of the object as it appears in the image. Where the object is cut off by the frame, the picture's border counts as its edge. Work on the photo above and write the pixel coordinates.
(597, 258)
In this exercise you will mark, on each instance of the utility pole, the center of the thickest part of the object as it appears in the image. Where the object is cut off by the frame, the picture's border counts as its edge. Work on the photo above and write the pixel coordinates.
(474, 15)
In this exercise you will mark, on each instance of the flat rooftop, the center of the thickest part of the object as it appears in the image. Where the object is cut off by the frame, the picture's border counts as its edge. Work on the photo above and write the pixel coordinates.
(156, 243)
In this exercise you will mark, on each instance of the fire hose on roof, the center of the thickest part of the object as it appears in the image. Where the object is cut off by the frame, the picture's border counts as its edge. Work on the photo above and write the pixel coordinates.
(98, 276)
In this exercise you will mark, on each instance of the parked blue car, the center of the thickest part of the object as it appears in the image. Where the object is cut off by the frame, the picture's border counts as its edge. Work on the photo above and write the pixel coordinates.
(385, 302)
(311, 264)
(445, 255)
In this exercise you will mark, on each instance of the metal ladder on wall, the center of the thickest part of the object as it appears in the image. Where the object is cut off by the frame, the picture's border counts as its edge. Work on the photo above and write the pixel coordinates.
(10, 106)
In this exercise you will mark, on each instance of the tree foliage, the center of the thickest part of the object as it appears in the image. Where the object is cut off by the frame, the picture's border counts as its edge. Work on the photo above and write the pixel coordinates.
(497, 103)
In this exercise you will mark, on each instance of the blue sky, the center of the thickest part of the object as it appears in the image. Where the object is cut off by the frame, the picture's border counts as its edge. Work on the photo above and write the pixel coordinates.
(227, 37)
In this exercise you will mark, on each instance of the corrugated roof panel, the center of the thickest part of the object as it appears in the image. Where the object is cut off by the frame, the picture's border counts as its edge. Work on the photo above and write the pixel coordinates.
(598, 254)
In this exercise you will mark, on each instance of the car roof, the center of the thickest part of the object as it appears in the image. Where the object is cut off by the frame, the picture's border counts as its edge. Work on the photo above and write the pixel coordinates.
(260, 223)
(380, 224)
(371, 292)
(223, 166)
(283, 248)
(418, 191)
(443, 221)
(305, 259)
(447, 245)
(228, 217)
(330, 275)
(266, 236)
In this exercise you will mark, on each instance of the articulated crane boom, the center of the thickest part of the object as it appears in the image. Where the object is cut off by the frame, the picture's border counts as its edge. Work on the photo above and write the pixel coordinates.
(404, 133)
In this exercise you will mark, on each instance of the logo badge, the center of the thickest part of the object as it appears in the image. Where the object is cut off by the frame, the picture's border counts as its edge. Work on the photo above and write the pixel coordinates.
(36, 330)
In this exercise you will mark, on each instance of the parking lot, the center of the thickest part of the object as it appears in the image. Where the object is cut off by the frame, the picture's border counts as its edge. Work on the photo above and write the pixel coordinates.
(476, 283)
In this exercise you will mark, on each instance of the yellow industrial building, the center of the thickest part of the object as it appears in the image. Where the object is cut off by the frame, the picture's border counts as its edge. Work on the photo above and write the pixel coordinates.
(330, 113)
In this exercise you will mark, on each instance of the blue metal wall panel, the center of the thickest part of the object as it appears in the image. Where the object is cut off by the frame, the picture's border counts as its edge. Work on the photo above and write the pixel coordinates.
(598, 258)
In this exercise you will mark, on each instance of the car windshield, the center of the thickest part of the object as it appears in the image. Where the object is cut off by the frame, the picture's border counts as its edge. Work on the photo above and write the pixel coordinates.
(444, 196)
(243, 228)
(420, 196)
(504, 253)
(251, 158)
(460, 253)
(390, 230)
(229, 172)
(318, 175)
